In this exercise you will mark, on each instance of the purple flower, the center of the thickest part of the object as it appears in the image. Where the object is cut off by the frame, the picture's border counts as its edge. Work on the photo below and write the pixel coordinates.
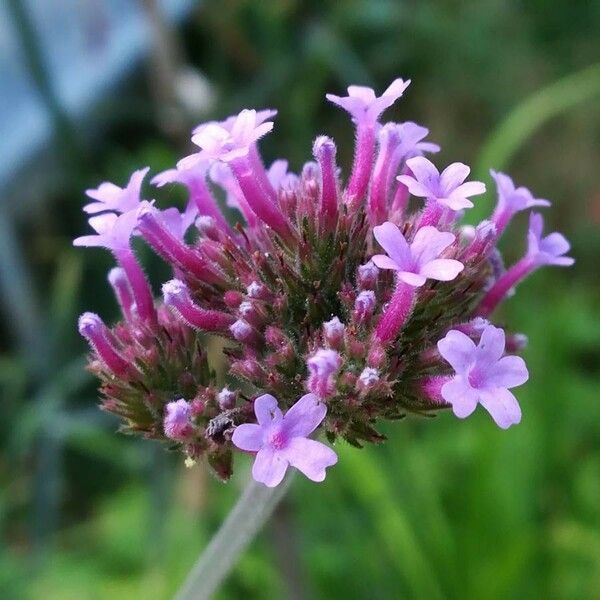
(411, 140)
(482, 375)
(282, 440)
(447, 189)
(177, 223)
(418, 261)
(549, 250)
(177, 423)
(362, 103)
(511, 200)
(109, 196)
(277, 172)
(112, 231)
(541, 251)
(233, 138)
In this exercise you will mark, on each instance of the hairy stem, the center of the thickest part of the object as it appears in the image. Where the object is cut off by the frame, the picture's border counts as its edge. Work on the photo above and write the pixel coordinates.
(247, 517)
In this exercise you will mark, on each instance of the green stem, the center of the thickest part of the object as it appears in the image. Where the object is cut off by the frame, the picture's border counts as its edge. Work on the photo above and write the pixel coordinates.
(253, 508)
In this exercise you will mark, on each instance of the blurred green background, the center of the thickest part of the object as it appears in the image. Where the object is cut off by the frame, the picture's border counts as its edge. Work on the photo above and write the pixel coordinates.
(446, 508)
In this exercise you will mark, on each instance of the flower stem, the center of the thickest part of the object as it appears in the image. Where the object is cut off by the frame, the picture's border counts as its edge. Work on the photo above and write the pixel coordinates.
(247, 517)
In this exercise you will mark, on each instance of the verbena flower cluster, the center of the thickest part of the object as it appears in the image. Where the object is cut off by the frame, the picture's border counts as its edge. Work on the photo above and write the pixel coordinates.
(341, 302)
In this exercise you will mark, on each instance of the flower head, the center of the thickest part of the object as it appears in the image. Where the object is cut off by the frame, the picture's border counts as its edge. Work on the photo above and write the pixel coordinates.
(364, 105)
(447, 188)
(418, 261)
(483, 375)
(109, 196)
(282, 440)
(300, 299)
(549, 250)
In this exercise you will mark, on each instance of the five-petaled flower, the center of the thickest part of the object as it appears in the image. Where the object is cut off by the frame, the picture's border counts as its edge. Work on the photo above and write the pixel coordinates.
(483, 375)
(447, 188)
(364, 105)
(282, 440)
(112, 231)
(417, 262)
(232, 140)
(109, 196)
(549, 250)
(511, 199)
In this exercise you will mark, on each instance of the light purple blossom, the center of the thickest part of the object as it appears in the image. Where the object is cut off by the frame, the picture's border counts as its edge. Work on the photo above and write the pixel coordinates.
(541, 251)
(447, 188)
(234, 139)
(363, 104)
(411, 140)
(109, 196)
(549, 250)
(281, 440)
(417, 262)
(229, 122)
(177, 421)
(277, 172)
(511, 200)
(112, 231)
(483, 375)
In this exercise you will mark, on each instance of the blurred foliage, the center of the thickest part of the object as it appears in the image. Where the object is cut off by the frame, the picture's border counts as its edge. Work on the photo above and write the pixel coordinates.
(445, 509)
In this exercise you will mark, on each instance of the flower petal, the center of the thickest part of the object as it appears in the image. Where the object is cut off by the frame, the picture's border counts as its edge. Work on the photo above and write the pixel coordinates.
(470, 188)
(429, 243)
(414, 187)
(425, 172)
(442, 269)
(502, 406)
(452, 176)
(508, 372)
(414, 279)
(310, 457)
(248, 436)
(458, 349)
(383, 261)
(266, 409)
(269, 467)
(304, 416)
(390, 238)
(461, 396)
(491, 345)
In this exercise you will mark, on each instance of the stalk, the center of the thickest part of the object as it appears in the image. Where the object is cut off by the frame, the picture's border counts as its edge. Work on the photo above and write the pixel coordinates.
(254, 507)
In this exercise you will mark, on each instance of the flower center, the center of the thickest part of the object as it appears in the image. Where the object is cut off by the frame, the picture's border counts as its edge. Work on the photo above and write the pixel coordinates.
(476, 377)
(277, 440)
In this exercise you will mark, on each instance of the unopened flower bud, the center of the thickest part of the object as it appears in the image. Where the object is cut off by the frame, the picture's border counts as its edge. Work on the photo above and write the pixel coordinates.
(367, 276)
(177, 424)
(226, 399)
(323, 366)
(364, 305)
